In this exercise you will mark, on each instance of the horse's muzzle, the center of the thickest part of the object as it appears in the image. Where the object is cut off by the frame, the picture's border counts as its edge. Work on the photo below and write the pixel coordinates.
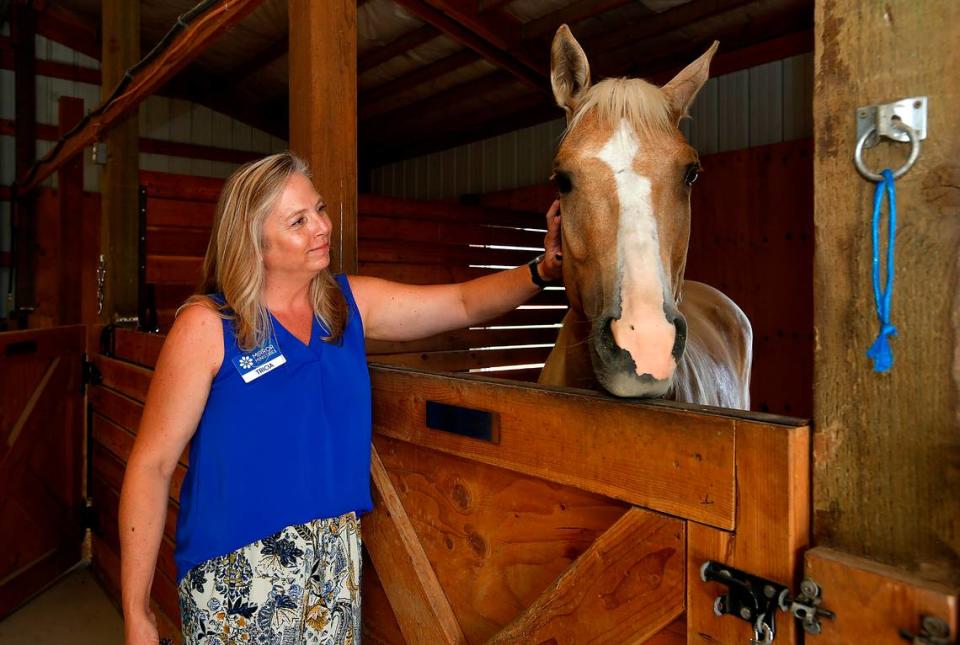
(617, 371)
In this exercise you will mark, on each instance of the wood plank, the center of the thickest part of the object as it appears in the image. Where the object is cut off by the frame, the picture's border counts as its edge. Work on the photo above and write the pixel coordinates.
(382, 228)
(772, 528)
(882, 489)
(177, 241)
(164, 185)
(172, 269)
(458, 361)
(464, 340)
(626, 587)
(42, 343)
(417, 76)
(323, 123)
(137, 346)
(116, 407)
(124, 377)
(164, 212)
(426, 253)
(119, 442)
(187, 45)
(511, 534)
(875, 601)
(421, 608)
(421, 273)
(662, 457)
(376, 205)
(569, 15)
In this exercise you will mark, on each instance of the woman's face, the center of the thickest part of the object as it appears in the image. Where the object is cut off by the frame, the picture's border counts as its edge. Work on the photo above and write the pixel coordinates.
(296, 233)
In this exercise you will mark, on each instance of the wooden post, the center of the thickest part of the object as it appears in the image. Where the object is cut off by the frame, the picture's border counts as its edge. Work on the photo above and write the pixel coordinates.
(887, 446)
(23, 34)
(323, 112)
(119, 181)
(72, 220)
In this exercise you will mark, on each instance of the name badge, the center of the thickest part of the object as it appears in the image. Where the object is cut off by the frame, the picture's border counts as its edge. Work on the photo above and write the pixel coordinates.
(260, 361)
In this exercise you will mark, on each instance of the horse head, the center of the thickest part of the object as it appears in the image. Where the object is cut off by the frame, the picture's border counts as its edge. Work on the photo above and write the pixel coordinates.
(624, 172)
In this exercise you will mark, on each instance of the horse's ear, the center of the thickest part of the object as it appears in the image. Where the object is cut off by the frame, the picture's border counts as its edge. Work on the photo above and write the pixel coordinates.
(569, 70)
(684, 87)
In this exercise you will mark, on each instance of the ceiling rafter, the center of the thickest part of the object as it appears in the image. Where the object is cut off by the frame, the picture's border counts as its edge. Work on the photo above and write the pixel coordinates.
(414, 78)
(569, 15)
(369, 60)
(258, 61)
(493, 35)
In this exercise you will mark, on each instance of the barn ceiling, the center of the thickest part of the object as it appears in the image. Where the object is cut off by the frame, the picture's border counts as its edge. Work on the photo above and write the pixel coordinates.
(436, 73)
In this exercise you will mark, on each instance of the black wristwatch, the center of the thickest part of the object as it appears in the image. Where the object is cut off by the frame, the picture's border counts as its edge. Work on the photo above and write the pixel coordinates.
(534, 274)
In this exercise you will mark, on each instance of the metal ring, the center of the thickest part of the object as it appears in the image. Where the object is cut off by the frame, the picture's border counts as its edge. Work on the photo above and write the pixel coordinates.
(912, 159)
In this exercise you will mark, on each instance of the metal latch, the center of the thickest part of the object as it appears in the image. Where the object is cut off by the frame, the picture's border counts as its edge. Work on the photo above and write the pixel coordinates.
(933, 631)
(806, 607)
(756, 600)
(91, 373)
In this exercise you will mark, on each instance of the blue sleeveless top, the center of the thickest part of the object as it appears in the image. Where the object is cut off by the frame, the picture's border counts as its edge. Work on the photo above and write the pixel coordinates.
(291, 446)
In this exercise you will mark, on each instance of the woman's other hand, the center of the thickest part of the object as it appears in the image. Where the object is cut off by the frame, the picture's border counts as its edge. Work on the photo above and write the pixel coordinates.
(551, 269)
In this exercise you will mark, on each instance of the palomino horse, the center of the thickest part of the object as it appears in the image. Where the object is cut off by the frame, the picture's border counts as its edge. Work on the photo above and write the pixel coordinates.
(624, 172)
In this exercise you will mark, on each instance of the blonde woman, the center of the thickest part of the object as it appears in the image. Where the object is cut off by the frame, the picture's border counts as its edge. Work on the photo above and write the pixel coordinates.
(264, 375)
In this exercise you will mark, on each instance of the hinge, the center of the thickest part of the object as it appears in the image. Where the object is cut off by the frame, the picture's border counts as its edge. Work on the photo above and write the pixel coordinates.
(91, 373)
(756, 600)
(933, 631)
(88, 514)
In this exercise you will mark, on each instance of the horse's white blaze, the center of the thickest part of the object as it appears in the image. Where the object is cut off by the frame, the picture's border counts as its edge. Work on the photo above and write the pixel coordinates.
(642, 329)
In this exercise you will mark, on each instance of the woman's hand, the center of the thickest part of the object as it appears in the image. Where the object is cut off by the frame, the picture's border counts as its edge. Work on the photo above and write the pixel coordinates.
(141, 629)
(551, 269)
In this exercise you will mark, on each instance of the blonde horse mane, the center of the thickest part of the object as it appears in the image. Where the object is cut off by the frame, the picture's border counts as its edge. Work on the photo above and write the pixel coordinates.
(642, 104)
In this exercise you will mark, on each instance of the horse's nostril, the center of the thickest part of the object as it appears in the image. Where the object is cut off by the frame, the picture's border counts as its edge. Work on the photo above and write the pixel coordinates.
(607, 340)
(680, 340)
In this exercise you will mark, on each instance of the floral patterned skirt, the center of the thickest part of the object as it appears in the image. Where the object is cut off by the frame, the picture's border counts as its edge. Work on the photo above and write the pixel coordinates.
(301, 585)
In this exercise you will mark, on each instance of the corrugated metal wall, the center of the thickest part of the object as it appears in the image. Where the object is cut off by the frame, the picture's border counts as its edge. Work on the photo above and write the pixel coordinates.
(160, 118)
(765, 104)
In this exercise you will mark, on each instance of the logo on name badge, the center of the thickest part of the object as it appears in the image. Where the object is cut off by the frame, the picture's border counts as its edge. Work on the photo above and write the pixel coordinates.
(260, 361)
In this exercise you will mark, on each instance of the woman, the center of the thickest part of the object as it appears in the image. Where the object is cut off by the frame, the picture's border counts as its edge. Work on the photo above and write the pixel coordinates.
(266, 379)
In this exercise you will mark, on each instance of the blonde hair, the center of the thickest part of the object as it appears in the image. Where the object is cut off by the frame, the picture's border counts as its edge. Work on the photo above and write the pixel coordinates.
(233, 265)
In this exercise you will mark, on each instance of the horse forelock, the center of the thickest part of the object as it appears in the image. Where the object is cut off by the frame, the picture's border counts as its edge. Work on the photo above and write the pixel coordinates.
(643, 105)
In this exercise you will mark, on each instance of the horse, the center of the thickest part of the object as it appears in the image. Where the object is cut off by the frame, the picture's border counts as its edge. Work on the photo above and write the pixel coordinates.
(624, 172)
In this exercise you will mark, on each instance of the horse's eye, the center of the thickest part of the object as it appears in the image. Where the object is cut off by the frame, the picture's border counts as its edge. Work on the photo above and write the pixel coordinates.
(693, 171)
(562, 180)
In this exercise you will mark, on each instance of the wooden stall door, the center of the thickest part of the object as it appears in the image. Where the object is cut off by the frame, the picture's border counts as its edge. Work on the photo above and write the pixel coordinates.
(41, 459)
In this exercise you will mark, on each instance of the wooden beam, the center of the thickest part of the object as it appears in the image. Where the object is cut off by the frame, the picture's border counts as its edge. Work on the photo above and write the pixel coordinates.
(401, 45)
(486, 43)
(323, 116)
(411, 585)
(23, 34)
(72, 220)
(885, 468)
(623, 589)
(119, 231)
(189, 44)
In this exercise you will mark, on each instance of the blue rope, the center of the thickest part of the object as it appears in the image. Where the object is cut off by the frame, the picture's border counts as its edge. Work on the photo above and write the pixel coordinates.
(880, 351)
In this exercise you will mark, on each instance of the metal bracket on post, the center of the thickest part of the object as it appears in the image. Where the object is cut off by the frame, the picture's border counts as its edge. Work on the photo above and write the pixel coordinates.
(756, 601)
(904, 121)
